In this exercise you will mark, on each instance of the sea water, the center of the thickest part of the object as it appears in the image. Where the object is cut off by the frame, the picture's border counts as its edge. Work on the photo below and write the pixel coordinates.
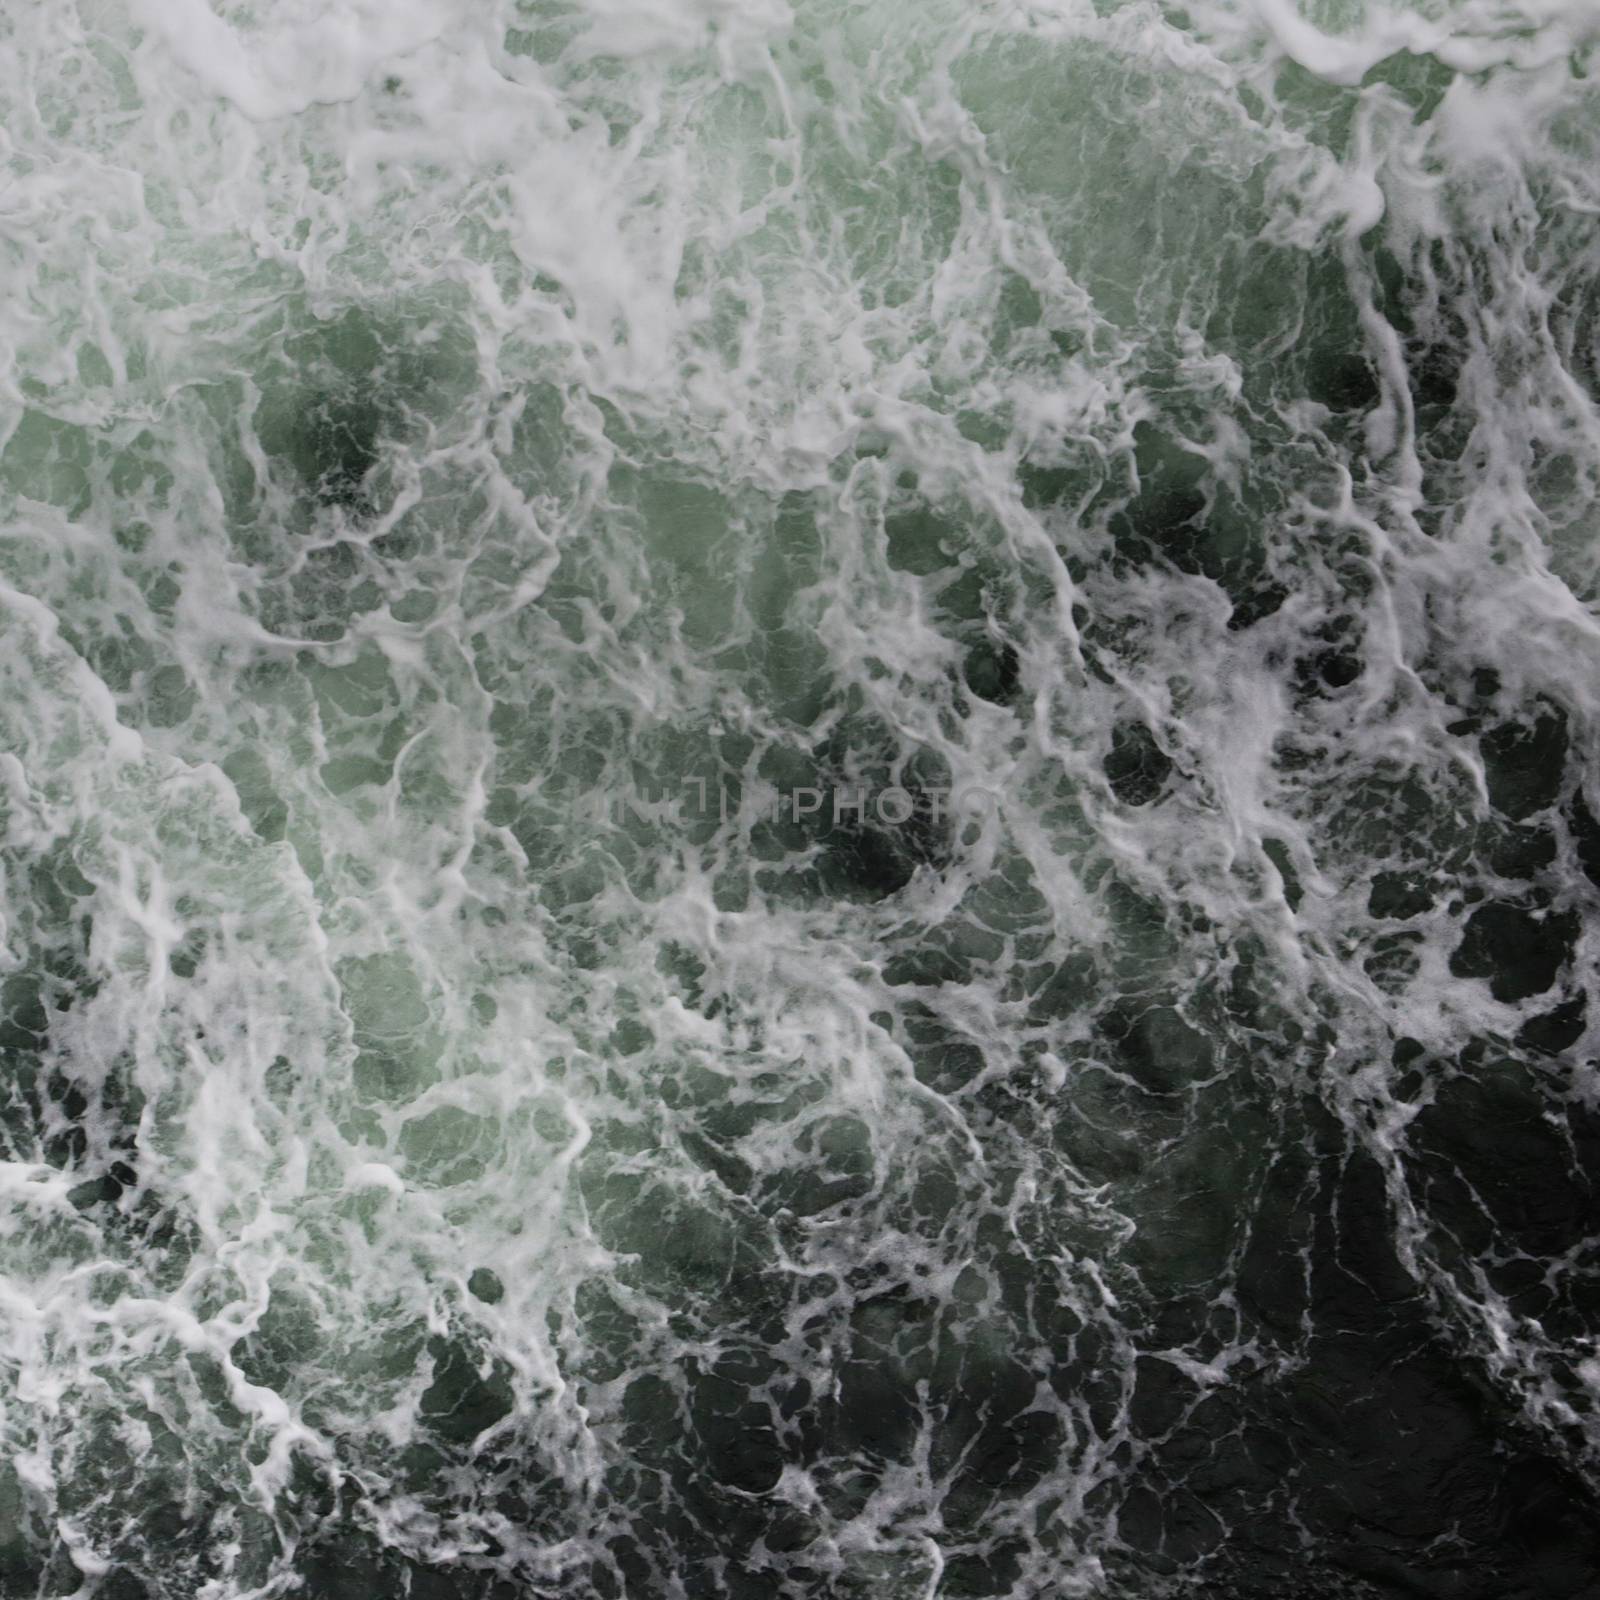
(799, 798)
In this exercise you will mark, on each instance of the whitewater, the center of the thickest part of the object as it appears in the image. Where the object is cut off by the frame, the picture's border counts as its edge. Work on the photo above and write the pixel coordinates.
(799, 799)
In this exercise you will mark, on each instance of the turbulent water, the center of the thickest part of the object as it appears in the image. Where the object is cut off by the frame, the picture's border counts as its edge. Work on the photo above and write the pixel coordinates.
(799, 798)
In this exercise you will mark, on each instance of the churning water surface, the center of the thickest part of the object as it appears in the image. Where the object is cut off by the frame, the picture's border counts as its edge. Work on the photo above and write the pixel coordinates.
(799, 799)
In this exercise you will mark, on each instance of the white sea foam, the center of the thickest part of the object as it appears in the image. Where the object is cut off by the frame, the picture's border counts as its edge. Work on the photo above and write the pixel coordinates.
(418, 422)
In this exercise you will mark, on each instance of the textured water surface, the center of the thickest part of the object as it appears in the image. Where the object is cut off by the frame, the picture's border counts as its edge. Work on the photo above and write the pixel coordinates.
(799, 800)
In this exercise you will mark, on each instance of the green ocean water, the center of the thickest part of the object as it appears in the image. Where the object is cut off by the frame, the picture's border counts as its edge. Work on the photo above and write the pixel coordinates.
(799, 800)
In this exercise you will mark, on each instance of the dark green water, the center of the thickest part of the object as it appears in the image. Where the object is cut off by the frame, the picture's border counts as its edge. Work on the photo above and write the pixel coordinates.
(799, 800)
